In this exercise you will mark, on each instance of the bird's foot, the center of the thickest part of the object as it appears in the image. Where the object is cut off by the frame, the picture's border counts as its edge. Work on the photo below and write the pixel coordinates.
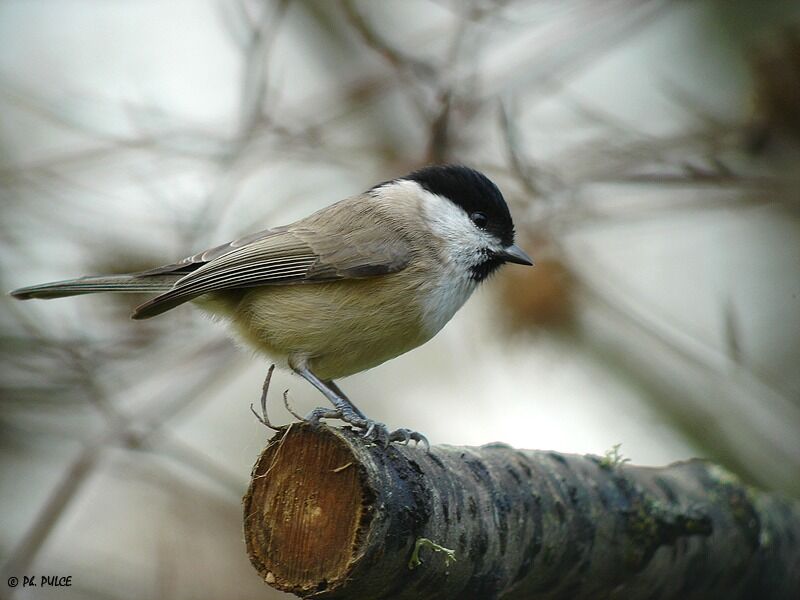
(372, 431)
(406, 436)
(343, 414)
(315, 416)
(378, 433)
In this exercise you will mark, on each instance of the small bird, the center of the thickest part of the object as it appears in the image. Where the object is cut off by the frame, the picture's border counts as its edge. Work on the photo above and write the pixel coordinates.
(345, 289)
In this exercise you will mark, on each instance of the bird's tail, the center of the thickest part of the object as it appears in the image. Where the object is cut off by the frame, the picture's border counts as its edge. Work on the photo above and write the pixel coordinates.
(94, 284)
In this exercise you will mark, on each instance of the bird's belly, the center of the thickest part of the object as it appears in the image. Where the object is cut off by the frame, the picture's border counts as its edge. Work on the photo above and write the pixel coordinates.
(339, 328)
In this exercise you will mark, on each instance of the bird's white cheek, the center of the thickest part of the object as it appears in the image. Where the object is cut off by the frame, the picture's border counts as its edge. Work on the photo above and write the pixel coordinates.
(455, 283)
(460, 244)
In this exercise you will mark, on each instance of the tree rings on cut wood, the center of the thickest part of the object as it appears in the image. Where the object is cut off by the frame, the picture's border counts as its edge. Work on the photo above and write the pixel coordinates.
(303, 511)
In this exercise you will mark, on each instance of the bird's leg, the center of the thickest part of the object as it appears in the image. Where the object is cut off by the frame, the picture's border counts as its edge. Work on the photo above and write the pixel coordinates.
(402, 435)
(344, 408)
(349, 413)
(332, 384)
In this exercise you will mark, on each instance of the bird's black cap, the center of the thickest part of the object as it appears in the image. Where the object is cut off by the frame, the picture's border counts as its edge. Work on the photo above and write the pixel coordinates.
(472, 191)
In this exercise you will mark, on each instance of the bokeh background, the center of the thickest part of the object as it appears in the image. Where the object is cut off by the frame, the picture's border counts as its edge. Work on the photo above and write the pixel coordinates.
(650, 151)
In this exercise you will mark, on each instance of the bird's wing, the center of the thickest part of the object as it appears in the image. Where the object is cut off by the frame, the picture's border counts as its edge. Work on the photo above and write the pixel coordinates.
(353, 245)
(195, 261)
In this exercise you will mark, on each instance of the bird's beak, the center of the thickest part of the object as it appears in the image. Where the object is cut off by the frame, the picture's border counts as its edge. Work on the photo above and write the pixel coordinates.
(515, 254)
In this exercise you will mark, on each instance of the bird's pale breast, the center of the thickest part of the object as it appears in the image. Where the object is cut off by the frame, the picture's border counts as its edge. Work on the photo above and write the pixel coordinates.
(340, 327)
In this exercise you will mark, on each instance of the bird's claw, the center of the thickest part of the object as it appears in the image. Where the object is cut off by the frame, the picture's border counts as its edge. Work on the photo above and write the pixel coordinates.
(406, 436)
(378, 433)
(371, 431)
(315, 416)
(401, 436)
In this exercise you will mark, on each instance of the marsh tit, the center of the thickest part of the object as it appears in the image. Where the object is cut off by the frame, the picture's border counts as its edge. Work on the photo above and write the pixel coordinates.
(346, 288)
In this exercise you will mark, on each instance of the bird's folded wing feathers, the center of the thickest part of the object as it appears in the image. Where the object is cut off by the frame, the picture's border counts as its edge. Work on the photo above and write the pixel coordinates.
(303, 253)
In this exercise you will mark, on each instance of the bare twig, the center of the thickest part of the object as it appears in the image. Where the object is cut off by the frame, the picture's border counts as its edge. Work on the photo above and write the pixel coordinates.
(263, 418)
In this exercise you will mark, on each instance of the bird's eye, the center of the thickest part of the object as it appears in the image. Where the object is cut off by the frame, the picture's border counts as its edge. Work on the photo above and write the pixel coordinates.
(480, 219)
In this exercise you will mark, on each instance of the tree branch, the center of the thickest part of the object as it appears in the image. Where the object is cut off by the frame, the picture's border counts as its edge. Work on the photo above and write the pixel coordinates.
(328, 516)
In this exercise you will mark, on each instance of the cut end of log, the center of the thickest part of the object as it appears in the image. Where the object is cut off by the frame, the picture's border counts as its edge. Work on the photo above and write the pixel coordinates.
(304, 510)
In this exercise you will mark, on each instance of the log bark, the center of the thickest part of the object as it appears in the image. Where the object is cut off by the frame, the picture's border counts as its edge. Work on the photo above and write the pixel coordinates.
(328, 516)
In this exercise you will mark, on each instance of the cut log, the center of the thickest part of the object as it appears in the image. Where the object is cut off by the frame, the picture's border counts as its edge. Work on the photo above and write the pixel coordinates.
(330, 516)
